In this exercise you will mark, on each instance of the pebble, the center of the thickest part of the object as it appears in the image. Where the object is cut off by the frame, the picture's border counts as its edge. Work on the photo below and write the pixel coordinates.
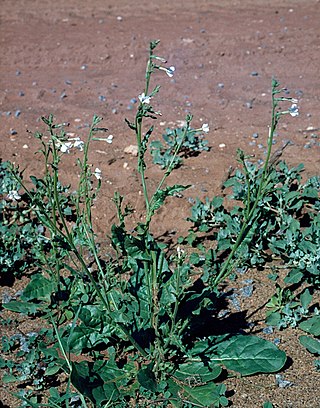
(68, 82)
(247, 291)
(63, 95)
(222, 145)
(114, 111)
(8, 113)
(21, 93)
(254, 73)
(267, 330)
(13, 132)
(84, 67)
(277, 341)
(255, 135)
(249, 104)
(119, 18)
(131, 149)
(102, 98)
(18, 72)
(260, 145)
(133, 100)
(25, 146)
(17, 113)
(220, 85)
(281, 383)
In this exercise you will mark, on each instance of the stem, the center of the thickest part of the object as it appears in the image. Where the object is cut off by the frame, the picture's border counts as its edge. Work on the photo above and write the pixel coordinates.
(248, 220)
(169, 169)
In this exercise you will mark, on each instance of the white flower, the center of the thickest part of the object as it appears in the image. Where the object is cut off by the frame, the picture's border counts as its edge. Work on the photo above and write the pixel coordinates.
(97, 173)
(13, 195)
(109, 139)
(79, 144)
(205, 128)
(169, 71)
(65, 147)
(144, 98)
(294, 110)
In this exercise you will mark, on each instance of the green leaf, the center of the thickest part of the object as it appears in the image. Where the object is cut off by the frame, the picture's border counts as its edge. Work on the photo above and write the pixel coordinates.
(249, 355)
(311, 344)
(311, 325)
(147, 378)
(196, 370)
(8, 378)
(267, 404)
(294, 276)
(39, 288)
(22, 307)
(205, 396)
(306, 299)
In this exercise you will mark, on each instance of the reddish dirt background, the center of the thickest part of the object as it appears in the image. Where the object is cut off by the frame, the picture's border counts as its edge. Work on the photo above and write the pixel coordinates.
(78, 58)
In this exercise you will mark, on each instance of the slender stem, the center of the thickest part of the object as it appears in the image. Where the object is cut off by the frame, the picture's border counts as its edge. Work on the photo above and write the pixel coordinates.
(248, 220)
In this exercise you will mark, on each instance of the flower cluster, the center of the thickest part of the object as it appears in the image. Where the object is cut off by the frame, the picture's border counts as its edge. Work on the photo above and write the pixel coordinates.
(65, 147)
(13, 195)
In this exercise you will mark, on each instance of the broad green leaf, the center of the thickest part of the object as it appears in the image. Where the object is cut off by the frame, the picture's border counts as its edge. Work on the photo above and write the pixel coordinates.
(90, 384)
(197, 371)
(22, 307)
(147, 378)
(249, 355)
(311, 325)
(8, 378)
(205, 395)
(39, 288)
(311, 344)
(306, 299)
(267, 404)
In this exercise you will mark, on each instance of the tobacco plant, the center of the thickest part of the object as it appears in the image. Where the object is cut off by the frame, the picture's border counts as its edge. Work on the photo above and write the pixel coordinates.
(140, 327)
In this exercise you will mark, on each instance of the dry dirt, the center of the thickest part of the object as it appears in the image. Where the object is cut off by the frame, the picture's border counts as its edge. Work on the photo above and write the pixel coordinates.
(78, 58)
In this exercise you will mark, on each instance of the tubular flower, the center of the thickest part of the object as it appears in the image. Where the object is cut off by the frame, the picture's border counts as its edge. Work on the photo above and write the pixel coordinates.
(144, 98)
(169, 71)
(97, 173)
(205, 128)
(294, 110)
(13, 195)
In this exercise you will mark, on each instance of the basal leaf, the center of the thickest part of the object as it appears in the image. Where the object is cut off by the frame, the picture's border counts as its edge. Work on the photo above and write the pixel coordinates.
(311, 344)
(205, 395)
(39, 288)
(147, 378)
(22, 307)
(249, 355)
(311, 325)
(197, 371)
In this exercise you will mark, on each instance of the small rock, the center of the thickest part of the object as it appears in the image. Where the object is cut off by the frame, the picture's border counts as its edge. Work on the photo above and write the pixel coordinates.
(102, 98)
(21, 93)
(25, 146)
(220, 85)
(68, 82)
(222, 145)
(8, 113)
(18, 72)
(119, 18)
(63, 95)
(13, 132)
(281, 383)
(133, 100)
(131, 149)
(267, 330)
(17, 113)
(114, 111)
(84, 67)
(255, 135)
(254, 73)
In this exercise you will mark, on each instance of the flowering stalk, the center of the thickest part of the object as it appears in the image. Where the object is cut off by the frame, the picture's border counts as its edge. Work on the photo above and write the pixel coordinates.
(250, 211)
